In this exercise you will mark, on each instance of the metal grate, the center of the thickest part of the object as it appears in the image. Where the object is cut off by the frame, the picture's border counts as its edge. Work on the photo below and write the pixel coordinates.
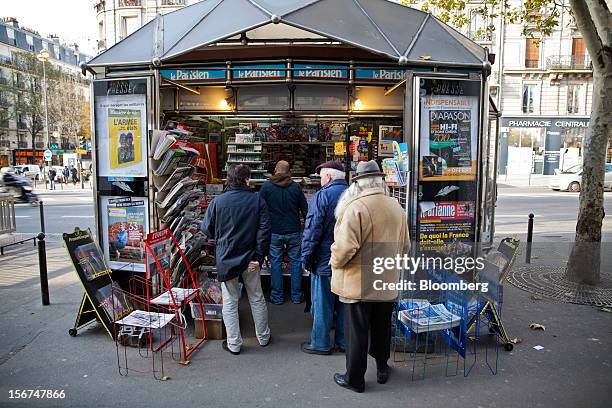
(550, 282)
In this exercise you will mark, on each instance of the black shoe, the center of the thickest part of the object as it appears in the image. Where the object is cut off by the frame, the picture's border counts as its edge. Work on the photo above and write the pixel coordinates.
(268, 343)
(340, 349)
(340, 379)
(382, 373)
(307, 348)
(224, 345)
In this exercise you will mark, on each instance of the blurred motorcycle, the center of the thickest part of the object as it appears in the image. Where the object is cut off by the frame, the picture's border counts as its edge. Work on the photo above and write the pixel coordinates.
(19, 188)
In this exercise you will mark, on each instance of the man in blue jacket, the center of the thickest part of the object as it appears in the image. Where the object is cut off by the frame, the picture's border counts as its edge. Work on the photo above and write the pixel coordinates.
(285, 200)
(238, 220)
(316, 253)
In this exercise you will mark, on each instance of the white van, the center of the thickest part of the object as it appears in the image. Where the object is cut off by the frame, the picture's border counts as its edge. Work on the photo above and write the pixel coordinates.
(31, 171)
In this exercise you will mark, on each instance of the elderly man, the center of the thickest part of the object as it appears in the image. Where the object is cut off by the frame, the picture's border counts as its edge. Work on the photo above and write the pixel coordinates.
(369, 224)
(238, 220)
(316, 252)
(285, 200)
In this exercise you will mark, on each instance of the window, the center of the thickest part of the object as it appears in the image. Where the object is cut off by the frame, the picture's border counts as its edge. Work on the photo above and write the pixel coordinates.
(574, 93)
(529, 92)
(532, 53)
(30, 42)
(578, 53)
(128, 26)
(11, 35)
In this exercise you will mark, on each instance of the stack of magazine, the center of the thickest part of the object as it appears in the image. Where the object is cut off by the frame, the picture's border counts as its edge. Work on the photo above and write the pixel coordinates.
(421, 316)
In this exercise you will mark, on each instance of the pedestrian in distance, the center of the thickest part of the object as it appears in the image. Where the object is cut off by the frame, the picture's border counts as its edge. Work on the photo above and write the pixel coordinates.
(75, 176)
(52, 175)
(316, 253)
(369, 224)
(66, 173)
(286, 201)
(238, 221)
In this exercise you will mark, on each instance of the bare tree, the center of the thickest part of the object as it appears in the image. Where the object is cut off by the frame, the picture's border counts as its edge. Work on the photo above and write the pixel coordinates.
(594, 21)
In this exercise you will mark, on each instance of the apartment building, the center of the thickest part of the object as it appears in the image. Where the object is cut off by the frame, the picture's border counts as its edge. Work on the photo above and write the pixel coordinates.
(15, 143)
(546, 95)
(119, 18)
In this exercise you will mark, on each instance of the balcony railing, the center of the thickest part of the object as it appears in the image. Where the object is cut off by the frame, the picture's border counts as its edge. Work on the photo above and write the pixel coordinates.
(4, 81)
(5, 60)
(532, 63)
(173, 2)
(568, 62)
(130, 3)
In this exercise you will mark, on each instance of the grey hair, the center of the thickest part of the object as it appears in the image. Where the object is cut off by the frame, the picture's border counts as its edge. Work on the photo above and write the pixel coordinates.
(357, 188)
(333, 173)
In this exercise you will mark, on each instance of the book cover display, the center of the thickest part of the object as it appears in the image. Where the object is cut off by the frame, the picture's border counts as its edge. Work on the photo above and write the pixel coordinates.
(124, 137)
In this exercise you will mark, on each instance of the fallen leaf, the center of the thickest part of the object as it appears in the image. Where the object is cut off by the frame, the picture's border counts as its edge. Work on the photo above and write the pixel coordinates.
(536, 297)
(516, 341)
(537, 326)
(605, 309)
(165, 378)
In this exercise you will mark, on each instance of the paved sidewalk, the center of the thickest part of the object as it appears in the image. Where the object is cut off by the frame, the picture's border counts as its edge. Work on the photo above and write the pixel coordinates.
(573, 369)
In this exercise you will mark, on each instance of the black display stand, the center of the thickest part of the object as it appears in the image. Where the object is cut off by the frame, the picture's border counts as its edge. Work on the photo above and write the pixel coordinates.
(101, 300)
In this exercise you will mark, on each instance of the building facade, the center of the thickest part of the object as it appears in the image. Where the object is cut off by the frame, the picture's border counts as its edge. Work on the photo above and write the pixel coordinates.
(15, 142)
(546, 93)
(119, 18)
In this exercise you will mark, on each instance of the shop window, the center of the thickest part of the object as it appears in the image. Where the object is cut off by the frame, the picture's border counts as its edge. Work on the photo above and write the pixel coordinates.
(323, 97)
(574, 96)
(526, 151)
(529, 97)
(532, 53)
(265, 98)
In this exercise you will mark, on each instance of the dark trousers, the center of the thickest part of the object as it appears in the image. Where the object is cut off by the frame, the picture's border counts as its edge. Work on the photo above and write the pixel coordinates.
(363, 320)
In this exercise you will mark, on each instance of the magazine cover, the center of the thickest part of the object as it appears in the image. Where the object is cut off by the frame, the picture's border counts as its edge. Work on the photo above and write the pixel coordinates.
(126, 228)
(90, 260)
(113, 300)
(125, 137)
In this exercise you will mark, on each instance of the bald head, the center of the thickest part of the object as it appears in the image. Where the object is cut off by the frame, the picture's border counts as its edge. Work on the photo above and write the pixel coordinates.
(282, 167)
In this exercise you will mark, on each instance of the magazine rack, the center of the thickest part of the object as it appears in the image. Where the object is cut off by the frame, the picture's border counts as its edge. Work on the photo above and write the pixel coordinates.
(174, 298)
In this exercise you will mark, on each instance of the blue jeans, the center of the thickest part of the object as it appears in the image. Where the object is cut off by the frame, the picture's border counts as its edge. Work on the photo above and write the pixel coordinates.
(323, 304)
(293, 243)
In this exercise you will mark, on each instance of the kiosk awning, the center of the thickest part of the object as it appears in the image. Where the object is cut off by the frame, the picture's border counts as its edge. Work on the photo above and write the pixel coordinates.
(403, 34)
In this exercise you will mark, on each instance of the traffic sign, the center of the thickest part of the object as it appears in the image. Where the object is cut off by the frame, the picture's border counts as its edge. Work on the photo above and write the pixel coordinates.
(47, 155)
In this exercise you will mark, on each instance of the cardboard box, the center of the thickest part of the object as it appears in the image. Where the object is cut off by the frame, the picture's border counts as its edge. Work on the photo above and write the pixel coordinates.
(215, 329)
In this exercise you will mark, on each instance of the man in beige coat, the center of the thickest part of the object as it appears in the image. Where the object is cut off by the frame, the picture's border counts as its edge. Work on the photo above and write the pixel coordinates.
(370, 226)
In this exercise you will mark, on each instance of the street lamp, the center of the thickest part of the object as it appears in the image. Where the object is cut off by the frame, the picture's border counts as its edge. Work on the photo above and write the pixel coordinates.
(43, 56)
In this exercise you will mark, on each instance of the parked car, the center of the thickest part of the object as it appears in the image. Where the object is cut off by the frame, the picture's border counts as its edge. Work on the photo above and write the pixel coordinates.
(571, 179)
(30, 171)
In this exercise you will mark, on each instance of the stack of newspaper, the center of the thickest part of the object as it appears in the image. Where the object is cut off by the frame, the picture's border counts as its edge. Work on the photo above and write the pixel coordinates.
(421, 316)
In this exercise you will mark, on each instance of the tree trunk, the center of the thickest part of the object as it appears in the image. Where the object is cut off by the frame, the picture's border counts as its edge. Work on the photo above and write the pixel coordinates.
(584, 262)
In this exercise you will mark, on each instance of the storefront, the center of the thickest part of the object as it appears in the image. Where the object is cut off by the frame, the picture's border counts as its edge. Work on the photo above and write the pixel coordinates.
(541, 145)
(304, 84)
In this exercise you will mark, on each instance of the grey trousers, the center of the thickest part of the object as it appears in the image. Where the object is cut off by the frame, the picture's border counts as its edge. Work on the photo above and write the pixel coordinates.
(231, 296)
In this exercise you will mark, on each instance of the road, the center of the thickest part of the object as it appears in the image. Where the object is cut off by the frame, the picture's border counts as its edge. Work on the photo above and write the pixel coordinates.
(555, 213)
(64, 210)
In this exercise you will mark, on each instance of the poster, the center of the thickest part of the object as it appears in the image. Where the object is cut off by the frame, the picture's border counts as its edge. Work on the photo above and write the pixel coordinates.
(448, 130)
(125, 137)
(386, 136)
(121, 135)
(90, 260)
(160, 248)
(124, 225)
(114, 300)
(447, 227)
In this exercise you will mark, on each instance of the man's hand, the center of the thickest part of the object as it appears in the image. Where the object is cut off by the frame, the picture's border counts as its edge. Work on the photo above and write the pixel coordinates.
(253, 266)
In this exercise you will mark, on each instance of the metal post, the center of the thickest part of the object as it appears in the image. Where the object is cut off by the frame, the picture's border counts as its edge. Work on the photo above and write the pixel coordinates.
(529, 239)
(42, 216)
(42, 265)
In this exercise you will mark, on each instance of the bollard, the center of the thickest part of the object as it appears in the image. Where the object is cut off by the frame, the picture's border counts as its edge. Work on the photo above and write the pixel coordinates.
(42, 266)
(529, 239)
(42, 216)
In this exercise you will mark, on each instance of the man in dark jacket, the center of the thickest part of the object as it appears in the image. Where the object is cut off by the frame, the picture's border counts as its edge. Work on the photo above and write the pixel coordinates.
(316, 253)
(285, 200)
(238, 220)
